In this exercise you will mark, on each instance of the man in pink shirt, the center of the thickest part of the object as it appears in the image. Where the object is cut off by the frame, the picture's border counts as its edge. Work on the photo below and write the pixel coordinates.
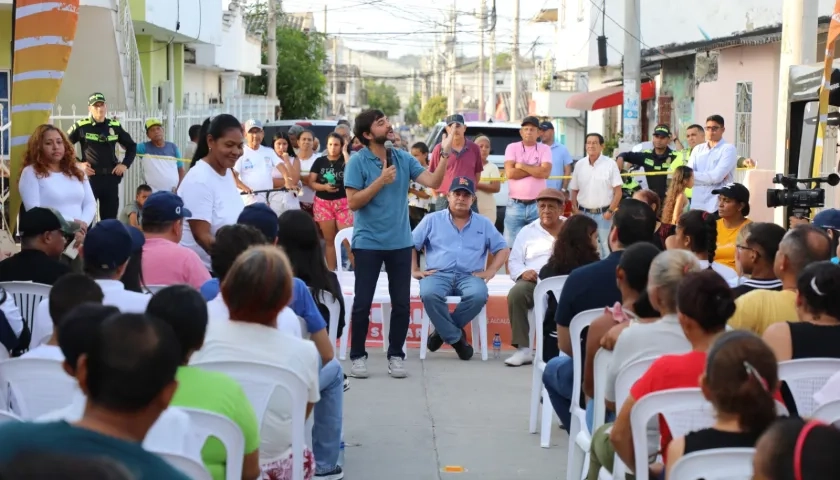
(165, 262)
(527, 166)
(464, 159)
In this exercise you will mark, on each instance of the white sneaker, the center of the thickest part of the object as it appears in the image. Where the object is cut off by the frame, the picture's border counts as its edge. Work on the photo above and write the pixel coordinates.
(521, 357)
(359, 368)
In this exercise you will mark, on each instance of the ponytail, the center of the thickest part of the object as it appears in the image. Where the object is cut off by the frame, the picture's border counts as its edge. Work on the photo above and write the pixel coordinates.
(214, 127)
(701, 228)
(711, 236)
(202, 148)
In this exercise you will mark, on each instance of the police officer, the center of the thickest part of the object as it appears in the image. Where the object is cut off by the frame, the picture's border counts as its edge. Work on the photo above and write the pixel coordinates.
(657, 160)
(98, 136)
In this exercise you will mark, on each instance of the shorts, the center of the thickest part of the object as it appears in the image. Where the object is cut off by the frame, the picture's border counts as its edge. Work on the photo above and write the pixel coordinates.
(338, 210)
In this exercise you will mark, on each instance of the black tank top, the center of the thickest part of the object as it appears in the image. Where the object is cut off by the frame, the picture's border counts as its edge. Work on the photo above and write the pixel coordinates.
(814, 341)
(710, 438)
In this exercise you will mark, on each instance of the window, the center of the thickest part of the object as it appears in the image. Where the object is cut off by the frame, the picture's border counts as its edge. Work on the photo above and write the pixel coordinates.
(4, 109)
(500, 82)
(743, 117)
(341, 88)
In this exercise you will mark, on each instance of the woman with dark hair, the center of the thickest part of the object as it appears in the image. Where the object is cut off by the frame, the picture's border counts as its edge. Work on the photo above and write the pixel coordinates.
(740, 380)
(697, 233)
(132, 278)
(306, 155)
(733, 208)
(331, 211)
(576, 245)
(209, 189)
(289, 169)
(298, 235)
(797, 449)
(663, 230)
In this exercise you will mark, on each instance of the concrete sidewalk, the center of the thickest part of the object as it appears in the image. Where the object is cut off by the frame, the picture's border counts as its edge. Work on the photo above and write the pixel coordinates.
(447, 412)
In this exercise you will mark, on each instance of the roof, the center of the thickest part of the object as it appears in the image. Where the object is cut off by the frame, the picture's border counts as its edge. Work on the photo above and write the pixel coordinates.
(758, 36)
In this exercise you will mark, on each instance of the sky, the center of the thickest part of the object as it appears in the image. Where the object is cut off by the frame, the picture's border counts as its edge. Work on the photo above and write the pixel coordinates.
(407, 26)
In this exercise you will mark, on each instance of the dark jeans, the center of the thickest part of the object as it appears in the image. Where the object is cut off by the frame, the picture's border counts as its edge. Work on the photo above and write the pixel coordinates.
(106, 189)
(398, 267)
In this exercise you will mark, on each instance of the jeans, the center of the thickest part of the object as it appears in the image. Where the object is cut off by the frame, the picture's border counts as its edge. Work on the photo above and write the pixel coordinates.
(558, 379)
(433, 292)
(328, 414)
(517, 215)
(604, 227)
(398, 267)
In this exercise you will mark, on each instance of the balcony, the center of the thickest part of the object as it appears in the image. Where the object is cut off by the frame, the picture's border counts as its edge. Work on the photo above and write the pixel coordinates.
(179, 21)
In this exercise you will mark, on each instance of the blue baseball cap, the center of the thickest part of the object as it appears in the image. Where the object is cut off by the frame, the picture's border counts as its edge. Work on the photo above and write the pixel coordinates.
(164, 206)
(109, 244)
(261, 217)
(462, 183)
(828, 218)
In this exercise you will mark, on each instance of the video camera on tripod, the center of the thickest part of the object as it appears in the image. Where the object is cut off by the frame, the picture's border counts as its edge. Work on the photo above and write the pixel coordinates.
(799, 201)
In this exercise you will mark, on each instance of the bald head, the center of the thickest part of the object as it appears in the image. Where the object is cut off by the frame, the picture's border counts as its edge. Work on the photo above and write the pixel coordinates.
(802, 246)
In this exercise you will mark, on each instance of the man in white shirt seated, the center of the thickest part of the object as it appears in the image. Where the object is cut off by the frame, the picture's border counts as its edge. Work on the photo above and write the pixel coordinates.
(456, 241)
(530, 252)
(257, 167)
(107, 248)
(68, 292)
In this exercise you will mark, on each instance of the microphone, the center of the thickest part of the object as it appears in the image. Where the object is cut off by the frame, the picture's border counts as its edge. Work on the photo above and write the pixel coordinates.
(389, 145)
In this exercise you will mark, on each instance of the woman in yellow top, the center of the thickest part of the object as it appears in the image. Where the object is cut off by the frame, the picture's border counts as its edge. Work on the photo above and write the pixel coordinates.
(733, 208)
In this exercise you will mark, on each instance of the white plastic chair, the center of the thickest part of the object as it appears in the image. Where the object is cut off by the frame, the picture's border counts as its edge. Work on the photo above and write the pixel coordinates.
(155, 288)
(209, 424)
(579, 434)
(828, 412)
(684, 409)
(7, 416)
(334, 307)
(36, 385)
(806, 376)
(259, 381)
(715, 464)
(535, 319)
(479, 329)
(340, 237)
(600, 372)
(186, 465)
(28, 296)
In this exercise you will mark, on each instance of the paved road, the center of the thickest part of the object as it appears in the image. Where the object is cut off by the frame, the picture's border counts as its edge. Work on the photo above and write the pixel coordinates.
(448, 412)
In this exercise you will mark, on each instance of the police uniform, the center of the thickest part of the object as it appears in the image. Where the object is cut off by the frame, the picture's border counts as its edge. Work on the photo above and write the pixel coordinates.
(98, 145)
(650, 161)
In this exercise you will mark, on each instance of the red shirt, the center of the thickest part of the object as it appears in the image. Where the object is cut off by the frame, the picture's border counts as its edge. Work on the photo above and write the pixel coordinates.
(464, 163)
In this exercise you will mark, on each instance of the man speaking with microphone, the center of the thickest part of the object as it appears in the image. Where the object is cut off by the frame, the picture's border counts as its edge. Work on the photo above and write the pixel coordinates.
(376, 180)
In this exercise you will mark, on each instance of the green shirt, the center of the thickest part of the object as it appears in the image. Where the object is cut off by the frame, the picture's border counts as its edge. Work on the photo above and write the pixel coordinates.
(217, 393)
(63, 438)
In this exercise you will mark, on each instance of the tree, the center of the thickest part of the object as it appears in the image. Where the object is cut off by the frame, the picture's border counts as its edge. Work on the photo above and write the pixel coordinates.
(382, 97)
(433, 111)
(300, 79)
(412, 111)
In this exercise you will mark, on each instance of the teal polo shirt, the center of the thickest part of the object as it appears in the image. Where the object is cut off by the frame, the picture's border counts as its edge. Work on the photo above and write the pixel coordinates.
(382, 224)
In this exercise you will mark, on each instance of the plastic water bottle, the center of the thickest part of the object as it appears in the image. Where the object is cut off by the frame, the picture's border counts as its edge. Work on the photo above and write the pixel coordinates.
(497, 346)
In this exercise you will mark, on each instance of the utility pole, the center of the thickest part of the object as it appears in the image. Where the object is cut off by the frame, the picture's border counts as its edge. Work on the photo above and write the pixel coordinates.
(632, 72)
(453, 26)
(325, 19)
(491, 105)
(482, 20)
(514, 66)
(271, 38)
(435, 67)
(335, 76)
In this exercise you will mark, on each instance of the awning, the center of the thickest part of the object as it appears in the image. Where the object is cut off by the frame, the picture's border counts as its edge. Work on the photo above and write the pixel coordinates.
(607, 97)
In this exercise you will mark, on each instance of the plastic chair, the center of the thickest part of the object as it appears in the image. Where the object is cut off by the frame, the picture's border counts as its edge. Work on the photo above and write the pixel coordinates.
(555, 285)
(334, 307)
(340, 237)
(36, 386)
(28, 296)
(684, 409)
(210, 424)
(186, 465)
(600, 372)
(7, 416)
(259, 380)
(479, 329)
(579, 434)
(715, 464)
(828, 412)
(805, 377)
(155, 288)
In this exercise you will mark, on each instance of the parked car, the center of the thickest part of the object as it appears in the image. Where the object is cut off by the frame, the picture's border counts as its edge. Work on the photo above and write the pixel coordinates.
(501, 135)
(320, 128)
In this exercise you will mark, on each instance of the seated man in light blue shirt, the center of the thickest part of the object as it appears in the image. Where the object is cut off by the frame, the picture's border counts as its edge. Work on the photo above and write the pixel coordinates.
(561, 159)
(456, 241)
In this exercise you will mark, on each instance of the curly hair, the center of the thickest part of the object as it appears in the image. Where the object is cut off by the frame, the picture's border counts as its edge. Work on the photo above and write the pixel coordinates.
(34, 154)
(573, 247)
(682, 177)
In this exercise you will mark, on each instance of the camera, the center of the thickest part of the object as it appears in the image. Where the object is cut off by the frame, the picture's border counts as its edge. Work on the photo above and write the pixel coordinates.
(800, 201)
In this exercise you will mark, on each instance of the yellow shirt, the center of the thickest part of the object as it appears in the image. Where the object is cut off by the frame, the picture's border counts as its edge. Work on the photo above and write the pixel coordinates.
(758, 309)
(726, 239)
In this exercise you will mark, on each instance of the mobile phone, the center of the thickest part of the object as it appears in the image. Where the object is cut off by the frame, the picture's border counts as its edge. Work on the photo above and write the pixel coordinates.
(71, 251)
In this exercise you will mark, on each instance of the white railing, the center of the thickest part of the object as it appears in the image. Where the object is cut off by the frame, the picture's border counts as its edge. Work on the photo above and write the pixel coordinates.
(130, 57)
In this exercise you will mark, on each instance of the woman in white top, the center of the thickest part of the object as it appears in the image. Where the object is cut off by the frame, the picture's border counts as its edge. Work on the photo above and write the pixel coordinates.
(257, 287)
(697, 233)
(51, 178)
(306, 157)
(209, 189)
(288, 168)
(486, 188)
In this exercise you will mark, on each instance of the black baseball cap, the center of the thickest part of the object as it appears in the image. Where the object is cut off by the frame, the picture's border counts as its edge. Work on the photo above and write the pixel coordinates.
(735, 191)
(95, 98)
(531, 121)
(38, 220)
(546, 126)
(662, 131)
(455, 118)
(462, 183)
(164, 206)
